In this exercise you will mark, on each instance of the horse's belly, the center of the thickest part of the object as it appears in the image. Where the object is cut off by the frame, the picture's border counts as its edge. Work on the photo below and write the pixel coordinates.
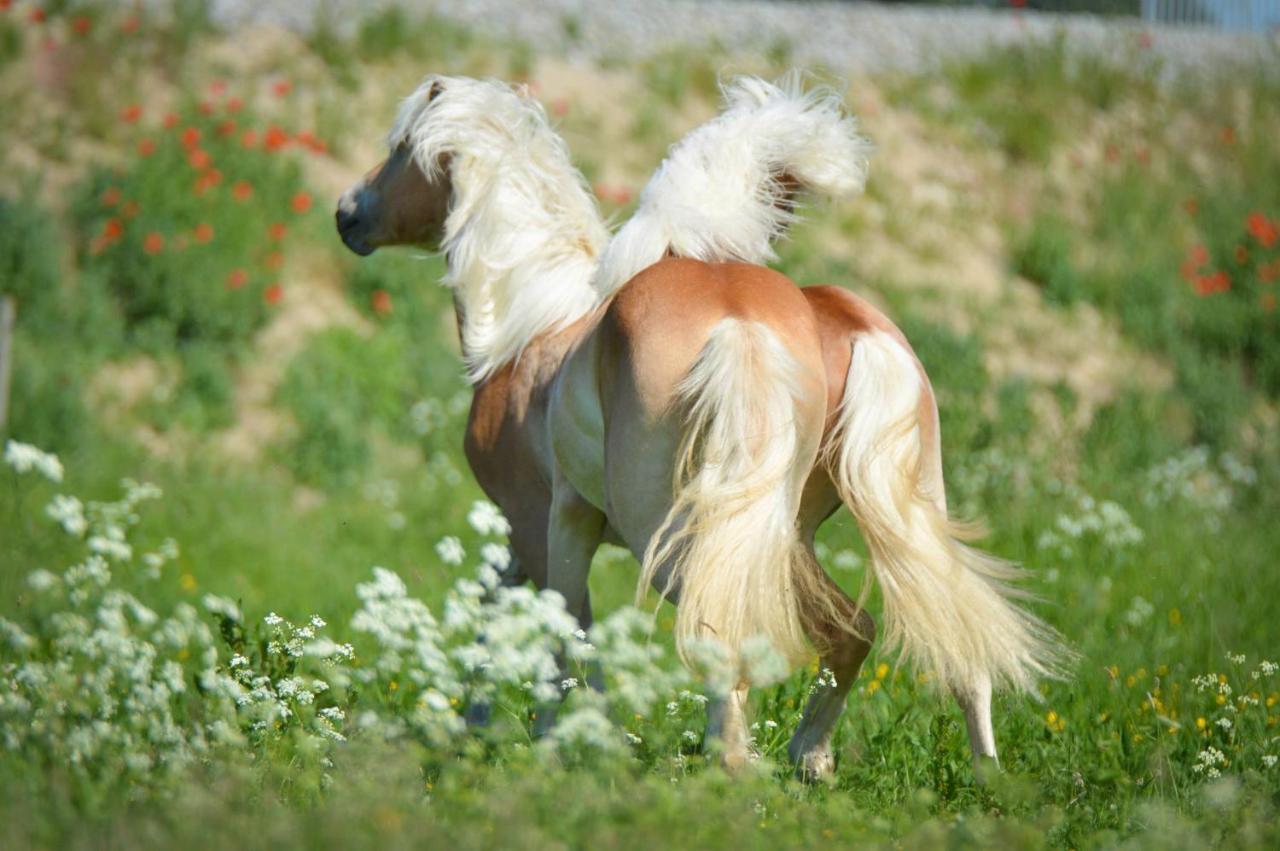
(577, 429)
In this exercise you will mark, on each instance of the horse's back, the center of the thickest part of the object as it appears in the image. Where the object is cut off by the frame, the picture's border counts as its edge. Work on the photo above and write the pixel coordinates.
(661, 320)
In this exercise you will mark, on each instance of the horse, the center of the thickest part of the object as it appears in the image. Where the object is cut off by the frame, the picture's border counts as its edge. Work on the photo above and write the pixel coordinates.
(706, 413)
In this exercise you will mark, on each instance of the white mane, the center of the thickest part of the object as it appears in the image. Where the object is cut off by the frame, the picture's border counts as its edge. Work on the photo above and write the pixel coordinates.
(720, 194)
(523, 234)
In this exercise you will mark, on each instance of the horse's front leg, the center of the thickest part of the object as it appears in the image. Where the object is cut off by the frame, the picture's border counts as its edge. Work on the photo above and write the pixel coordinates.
(574, 530)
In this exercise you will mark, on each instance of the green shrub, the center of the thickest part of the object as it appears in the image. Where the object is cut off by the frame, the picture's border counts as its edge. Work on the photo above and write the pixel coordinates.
(1030, 96)
(1043, 256)
(188, 235)
(340, 388)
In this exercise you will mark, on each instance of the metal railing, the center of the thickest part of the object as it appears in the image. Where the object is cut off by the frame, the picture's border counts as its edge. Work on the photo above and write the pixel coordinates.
(1250, 15)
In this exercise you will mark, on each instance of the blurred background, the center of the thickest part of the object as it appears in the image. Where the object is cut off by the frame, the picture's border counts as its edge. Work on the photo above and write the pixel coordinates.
(1073, 212)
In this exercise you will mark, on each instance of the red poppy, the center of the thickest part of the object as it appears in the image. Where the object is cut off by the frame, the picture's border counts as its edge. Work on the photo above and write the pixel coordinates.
(146, 147)
(273, 294)
(111, 196)
(205, 107)
(203, 233)
(242, 190)
(153, 243)
(1228, 135)
(129, 209)
(36, 15)
(131, 113)
(276, 230)
(275, 138)
(301, 202)
(81, 25)
(1269, 273)
(170, 120)
(281, 88)
(234, 105)
(1218, 282)
(1018, 4)
(274, 260)
(308, 140)
(249, 139)
(130, 25)
(191, 137)
(217, 88)
(381, 302)
(199, 159)
(207, 181)
(1262, 229)
(1197, 256)
(237, 279)
(227, 128)
(112, 229)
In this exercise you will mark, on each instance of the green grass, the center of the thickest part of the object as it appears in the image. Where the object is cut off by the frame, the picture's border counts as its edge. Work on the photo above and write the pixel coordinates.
(368, 471)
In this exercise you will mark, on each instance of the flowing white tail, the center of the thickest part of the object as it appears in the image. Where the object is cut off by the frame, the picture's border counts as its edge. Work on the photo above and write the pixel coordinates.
(730, 540)
(947, 605)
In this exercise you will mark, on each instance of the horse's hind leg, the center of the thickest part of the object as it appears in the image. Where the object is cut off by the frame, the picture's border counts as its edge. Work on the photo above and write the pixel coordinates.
(845, 651)
(727, 728)
(976, 703)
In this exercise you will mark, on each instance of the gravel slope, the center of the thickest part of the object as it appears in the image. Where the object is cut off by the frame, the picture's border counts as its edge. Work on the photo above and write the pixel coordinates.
(849, 37)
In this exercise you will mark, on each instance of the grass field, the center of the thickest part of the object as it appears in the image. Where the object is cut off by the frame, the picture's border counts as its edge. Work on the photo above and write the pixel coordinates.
(277, 643)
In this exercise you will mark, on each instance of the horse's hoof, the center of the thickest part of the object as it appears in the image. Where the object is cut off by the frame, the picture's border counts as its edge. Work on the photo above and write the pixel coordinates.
(478, 715)
(816, 767)
(735, 763)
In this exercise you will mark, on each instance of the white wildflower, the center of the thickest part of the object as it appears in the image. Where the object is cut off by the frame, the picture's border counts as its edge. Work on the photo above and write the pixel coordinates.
(450, 550)
(23, 458)
(68, 512)
(42, 580)
(496, 555)
(487, 519)
(1139, 611)
(222, 607)
(762, 665)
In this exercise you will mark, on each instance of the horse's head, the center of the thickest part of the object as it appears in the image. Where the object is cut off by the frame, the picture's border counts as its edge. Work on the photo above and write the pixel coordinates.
(400, 201)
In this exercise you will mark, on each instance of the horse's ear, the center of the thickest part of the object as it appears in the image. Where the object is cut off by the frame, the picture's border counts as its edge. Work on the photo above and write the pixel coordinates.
(436, 88)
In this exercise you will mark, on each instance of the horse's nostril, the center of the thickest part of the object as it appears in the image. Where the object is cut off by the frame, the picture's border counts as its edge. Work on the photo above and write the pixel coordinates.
(346, 220)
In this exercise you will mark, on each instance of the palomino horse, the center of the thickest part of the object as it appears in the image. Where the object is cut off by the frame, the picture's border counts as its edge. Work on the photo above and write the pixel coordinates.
(708, 415)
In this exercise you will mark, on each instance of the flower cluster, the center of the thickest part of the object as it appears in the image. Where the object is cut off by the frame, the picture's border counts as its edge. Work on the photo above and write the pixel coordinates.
(1193, 478)
(1091, 522)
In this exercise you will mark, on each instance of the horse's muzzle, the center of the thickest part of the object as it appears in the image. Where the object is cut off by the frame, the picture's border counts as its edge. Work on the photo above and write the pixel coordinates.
(352, 227)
